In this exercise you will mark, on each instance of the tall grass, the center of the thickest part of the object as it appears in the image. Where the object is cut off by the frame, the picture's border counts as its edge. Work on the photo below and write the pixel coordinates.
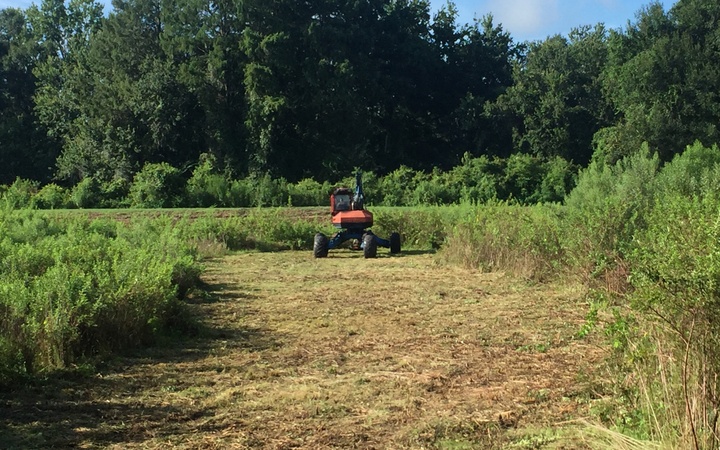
(500, 236)
(75, 288)
(424, 228)
(646, 239)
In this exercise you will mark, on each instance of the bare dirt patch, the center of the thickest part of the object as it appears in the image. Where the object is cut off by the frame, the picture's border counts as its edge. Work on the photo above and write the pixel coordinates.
(309, 214)
(343, 352)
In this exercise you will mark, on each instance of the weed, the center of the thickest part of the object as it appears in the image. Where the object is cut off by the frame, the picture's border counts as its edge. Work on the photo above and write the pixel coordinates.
(81, 290)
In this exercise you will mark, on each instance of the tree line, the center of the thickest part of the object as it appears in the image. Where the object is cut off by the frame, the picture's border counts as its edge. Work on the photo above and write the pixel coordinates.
(316, 88)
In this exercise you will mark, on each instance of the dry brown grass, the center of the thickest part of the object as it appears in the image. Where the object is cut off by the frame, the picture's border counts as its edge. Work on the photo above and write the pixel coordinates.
(337, 353)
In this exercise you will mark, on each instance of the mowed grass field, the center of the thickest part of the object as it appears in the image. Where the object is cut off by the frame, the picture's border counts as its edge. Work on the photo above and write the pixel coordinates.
(296, 353)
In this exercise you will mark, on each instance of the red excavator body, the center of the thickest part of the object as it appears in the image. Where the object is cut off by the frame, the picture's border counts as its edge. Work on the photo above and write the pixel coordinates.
(347, 213)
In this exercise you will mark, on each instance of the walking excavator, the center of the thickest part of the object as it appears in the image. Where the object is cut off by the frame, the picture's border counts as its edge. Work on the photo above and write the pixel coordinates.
(353, 221)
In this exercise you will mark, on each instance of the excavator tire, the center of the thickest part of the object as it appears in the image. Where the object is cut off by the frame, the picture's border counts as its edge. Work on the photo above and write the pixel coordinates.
(369, 246)
(320, 246)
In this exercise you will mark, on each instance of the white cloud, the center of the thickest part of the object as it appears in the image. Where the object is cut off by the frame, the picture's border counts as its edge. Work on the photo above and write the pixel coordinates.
(524, 16)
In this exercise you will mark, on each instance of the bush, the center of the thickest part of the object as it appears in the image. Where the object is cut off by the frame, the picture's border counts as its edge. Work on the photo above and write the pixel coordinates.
(674, 348)
(656, 233)
(687, 171)
(76, 288)
(157, 186)
(309, 192)
(206, 187)
(435, 190)
(115, 193)
(477, 179)
(420, 228)
(241, 193)
(52, 196)
(523, 177)
(267, 191)
(560, 177)
(271, 230)
(19, 194)
(86, 194)
(398, 186)
(608, 206)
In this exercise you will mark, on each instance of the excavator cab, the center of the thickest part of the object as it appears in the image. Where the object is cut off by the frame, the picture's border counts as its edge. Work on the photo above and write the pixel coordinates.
(340, 200)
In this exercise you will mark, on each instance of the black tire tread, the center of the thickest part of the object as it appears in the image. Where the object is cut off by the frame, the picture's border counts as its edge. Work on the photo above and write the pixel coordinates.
(320, 246)
(369, 246)
(395, 243)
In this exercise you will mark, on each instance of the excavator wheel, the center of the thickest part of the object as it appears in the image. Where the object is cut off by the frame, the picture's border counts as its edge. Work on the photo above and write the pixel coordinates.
(320, 246)
(395, 243)
(369, 246)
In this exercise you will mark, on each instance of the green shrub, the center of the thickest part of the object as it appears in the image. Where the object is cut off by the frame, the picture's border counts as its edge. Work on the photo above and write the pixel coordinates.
(477, 179)
(397, 187)
(20, 194)
(684, 175)
(115, 193)
(608, 206)
(77, 288)
(241, 193)
(674, 350)
(157, 185)
(652, 237)
(28, 227)
(309, 192)
(226, 234)
(52, 196)
(560, 177)
(434, 191)
(272, 230)
(206, 187)
(267, 191)
(419, 228)
(86, 194)
(523, 178)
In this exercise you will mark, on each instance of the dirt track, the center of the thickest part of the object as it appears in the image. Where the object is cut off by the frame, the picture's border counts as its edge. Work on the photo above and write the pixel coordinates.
(342, 352)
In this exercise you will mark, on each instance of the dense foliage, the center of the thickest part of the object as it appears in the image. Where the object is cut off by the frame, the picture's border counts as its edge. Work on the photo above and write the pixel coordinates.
(73, 288)
(520, 178)
(644, 239)
(317, 88)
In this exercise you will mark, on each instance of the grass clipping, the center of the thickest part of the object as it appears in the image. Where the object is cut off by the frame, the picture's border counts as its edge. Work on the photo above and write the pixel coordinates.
(340, 352)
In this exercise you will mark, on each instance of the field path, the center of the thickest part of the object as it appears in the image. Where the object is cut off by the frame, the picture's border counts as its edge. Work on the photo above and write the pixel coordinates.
(393, 353)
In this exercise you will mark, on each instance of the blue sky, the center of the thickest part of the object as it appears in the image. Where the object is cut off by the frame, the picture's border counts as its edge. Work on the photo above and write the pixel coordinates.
(538, 19)
(525, 19)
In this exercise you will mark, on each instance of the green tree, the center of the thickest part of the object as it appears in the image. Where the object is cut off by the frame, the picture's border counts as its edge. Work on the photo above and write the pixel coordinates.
(204, 41)
(475, 68)
(556, 103)
(128, 106)
(25, 149)
(662, 79)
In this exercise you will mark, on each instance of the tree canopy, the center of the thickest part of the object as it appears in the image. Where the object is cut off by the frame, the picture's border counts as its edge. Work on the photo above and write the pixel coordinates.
(315, 88)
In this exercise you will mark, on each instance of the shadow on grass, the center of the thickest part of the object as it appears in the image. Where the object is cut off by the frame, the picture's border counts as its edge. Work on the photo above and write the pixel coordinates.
(415, 253)
(125, 400)
(381, 253)
(63, 413)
